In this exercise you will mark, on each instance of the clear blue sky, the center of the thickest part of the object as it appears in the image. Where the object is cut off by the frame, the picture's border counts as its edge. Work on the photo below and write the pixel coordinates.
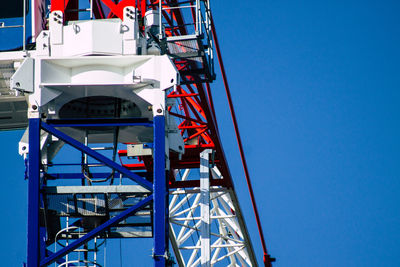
(316, 91)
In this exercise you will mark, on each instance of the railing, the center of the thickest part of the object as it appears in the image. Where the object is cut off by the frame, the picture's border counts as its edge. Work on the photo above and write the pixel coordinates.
(187, 27)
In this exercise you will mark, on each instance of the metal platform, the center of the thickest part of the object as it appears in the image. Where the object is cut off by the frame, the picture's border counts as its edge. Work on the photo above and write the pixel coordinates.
(189, 44)
(13, 107)
(92, 206)
(190, 52)
(13, 112)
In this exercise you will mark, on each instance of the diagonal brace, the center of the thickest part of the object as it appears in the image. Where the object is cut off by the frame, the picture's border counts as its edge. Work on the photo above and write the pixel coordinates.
(95, 232)
(69, 140)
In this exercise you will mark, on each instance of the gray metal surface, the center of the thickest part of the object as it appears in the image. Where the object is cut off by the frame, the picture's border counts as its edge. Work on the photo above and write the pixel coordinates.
(13, 108)
(93, 205)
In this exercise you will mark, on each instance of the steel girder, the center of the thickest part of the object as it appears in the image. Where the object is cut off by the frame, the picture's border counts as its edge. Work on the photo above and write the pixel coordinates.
(230, 244)
(38, 254)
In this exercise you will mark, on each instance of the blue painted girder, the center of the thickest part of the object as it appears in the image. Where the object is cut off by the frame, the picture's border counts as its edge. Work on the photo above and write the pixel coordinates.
(78, 145)
(33, 195)
(95, 232)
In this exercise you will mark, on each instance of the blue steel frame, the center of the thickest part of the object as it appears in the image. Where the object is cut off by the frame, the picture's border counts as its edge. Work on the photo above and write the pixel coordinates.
(95, 232)
(78, 145)
(160, 207)
(36, 249)
(33, 194)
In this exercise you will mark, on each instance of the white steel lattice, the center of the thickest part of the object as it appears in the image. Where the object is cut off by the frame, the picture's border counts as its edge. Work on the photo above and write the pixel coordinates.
(229, 246)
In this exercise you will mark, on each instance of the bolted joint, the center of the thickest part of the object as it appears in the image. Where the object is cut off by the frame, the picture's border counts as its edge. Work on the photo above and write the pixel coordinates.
(268, 260)
(169, 261)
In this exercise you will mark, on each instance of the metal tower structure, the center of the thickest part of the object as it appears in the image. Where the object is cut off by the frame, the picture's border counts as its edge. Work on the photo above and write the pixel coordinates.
(122, 139)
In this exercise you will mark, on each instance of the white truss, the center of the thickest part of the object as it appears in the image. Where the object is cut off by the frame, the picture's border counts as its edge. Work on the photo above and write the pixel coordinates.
(230, 244)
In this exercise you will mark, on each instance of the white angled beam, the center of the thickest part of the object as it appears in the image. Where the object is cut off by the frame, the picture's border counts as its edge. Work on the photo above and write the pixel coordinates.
(228, 238)
(205, 208)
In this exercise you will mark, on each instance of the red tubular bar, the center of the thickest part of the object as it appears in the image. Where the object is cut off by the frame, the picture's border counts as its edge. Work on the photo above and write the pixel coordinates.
(192, 127)
(267, 258)
(186, 118)
(210, 100)
(182, 95)
(195, 135)
(135, 166)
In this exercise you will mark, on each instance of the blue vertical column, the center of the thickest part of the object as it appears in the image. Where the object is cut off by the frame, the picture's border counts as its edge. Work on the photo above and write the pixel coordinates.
(33, 193)
(160, 193)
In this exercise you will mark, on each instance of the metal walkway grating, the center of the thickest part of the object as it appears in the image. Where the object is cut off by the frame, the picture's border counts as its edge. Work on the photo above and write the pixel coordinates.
(13, 108)
(93, 205)
(189, 53)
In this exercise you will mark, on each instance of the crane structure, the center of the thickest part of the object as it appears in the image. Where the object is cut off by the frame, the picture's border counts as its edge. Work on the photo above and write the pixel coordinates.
(121, 135)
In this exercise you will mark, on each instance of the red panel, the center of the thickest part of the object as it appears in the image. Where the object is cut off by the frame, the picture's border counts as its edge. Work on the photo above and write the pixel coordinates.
(63, 5)
(134, 166)
(59, 5)
(115, 9)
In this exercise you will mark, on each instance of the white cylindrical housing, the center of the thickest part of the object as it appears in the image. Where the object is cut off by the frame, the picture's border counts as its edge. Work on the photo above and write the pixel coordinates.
(151, 18)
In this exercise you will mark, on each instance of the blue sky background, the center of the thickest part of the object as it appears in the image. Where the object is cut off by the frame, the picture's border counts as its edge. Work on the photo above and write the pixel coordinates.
(316, 90)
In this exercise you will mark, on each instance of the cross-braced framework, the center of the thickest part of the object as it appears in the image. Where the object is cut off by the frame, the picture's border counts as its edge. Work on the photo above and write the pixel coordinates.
(228, 243)
(206, 224)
